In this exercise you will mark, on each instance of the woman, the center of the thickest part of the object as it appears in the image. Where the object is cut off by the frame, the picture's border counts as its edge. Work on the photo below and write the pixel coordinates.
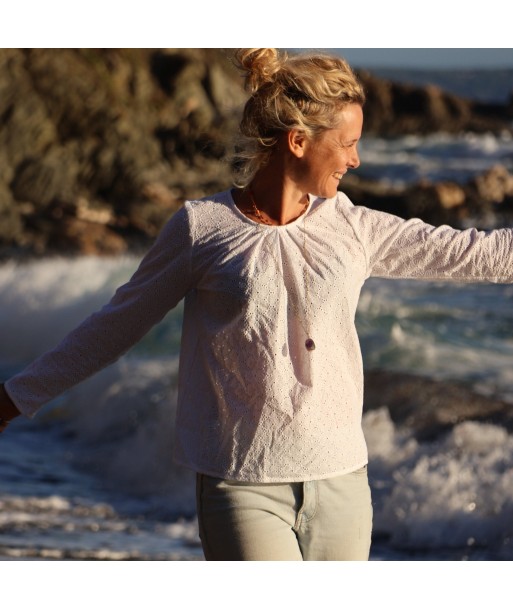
(271, 380)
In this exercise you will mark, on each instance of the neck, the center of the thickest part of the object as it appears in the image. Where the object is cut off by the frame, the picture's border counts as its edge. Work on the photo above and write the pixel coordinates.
(277, 199)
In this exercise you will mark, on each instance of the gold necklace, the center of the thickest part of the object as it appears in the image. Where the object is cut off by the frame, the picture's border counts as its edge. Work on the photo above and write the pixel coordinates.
(256, 212)
(309, 342)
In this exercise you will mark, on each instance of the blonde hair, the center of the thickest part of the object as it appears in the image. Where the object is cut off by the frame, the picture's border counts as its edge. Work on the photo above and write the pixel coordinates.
(304, 92)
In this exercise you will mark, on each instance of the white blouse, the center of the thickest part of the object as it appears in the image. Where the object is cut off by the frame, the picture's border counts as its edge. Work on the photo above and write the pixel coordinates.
(254, 403)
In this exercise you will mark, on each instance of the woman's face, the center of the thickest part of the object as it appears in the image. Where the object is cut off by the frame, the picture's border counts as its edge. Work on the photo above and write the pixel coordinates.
(323, 160)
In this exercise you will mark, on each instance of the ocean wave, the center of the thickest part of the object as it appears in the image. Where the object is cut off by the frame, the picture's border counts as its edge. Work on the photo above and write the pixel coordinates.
(108, 443)
(440, 330)
(437, 157)
(455, 492)
(41, 300)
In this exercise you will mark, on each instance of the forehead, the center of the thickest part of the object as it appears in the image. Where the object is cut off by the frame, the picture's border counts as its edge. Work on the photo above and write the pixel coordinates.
(349, 122)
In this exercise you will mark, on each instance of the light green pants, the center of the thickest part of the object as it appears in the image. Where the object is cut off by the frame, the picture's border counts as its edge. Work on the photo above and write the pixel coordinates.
(319, 520)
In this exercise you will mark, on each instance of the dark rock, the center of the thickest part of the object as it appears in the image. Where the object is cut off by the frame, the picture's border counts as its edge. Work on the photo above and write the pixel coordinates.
(395, 108)
(480, 200)
(132, 132)
(11, 226)
(429, 407)
(26, 130)
(116, 139)
(49, 177)
(494, 186)
(83, 237)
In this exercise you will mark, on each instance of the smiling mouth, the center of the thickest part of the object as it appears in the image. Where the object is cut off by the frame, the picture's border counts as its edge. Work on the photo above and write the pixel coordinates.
(338, 175)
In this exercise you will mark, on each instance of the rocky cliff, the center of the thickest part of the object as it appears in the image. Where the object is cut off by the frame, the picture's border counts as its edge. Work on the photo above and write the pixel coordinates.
(98, 147)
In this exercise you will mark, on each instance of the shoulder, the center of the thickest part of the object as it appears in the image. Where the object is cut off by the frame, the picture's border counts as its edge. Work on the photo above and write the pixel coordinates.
(344, 205)
(342, 214)
(340, 203)
(335, 208)
(192, 211)
(214, 216)
(209, 203)
(358, 214)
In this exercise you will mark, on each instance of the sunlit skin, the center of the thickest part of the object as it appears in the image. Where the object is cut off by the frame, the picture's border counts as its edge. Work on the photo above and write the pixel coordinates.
(300, 166)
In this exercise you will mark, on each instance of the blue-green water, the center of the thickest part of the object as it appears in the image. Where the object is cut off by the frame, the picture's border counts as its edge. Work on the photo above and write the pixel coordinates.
(92, 476)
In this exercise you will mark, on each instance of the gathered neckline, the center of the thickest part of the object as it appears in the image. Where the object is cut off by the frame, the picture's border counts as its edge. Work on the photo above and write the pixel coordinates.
(270, 226)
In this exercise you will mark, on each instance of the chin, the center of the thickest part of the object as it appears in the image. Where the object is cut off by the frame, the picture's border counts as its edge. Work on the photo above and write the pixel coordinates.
(332, 193)
(327, 191)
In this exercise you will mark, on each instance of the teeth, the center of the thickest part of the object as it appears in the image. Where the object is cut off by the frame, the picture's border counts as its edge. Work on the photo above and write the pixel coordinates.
(338, 175)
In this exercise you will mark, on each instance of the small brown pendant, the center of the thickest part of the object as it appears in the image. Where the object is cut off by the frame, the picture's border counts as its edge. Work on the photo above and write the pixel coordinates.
(309, 344)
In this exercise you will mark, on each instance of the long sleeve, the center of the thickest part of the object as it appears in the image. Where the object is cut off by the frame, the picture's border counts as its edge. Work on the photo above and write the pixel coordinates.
(161, 281)
(398, 248)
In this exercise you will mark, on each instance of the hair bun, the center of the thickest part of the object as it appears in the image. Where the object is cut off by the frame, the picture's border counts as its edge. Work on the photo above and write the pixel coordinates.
(259, 65)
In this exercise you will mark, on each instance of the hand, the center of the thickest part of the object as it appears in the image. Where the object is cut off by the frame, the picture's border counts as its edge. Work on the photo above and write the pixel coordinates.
(8, 410)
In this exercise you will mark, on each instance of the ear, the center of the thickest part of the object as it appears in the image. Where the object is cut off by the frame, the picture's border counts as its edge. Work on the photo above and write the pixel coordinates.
(296, 140)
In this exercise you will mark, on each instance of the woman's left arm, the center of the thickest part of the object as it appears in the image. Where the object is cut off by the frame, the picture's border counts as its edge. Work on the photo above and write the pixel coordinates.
(412, 249)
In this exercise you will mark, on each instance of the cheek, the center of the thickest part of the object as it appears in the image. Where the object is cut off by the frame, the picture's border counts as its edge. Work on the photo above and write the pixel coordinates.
(343, 157)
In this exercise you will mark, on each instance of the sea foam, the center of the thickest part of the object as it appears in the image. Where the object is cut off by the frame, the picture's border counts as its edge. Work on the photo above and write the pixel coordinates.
(112, 436)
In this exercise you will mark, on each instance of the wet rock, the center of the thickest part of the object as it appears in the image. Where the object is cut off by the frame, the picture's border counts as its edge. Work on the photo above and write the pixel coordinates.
(480, 201)
(429, 407)
(77, 236)
(495, 185)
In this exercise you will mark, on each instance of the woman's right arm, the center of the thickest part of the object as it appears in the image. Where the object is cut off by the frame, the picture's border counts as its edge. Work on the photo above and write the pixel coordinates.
(163, 278)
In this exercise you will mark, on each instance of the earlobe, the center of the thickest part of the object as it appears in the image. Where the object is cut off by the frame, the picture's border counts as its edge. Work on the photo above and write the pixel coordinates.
(297, 142)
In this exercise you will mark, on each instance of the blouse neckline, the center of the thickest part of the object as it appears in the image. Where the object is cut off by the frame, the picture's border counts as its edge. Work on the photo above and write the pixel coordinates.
(297, 220)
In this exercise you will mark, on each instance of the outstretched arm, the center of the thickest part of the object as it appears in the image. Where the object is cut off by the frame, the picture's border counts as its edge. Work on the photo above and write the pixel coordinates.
(412, 249)
(161, 281)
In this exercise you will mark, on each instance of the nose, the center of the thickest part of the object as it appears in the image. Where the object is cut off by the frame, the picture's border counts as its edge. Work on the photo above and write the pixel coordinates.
(354, 159)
